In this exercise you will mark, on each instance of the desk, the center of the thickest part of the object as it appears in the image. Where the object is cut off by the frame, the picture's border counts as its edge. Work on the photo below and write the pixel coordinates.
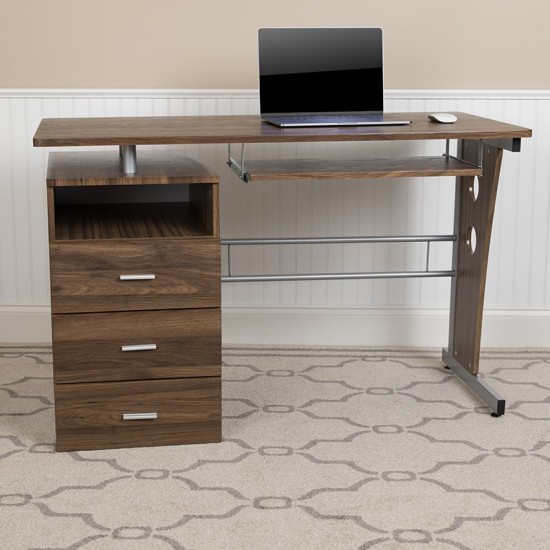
(479, 151)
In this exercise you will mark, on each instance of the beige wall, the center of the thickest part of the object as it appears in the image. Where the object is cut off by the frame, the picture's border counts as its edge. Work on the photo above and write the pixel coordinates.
(429, 44)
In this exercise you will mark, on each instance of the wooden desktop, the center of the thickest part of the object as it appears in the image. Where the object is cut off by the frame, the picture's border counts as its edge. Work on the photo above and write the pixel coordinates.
(168, 391)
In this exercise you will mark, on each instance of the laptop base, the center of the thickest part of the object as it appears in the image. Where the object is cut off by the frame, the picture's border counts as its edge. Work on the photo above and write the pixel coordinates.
(307, 122)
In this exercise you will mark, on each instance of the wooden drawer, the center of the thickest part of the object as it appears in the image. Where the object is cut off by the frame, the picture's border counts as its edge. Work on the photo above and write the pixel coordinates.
(90, 416)
(88, 347)
(86, 276)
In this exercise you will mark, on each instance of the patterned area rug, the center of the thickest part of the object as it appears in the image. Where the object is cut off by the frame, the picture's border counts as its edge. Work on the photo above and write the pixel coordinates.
(336, 448)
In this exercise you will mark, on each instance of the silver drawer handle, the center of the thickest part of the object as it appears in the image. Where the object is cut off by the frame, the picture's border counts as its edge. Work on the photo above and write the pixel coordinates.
(139, 347)
(139, 416)
(138, 277)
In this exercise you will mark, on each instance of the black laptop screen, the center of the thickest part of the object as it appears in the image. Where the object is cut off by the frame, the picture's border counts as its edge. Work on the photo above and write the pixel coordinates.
(313, 70)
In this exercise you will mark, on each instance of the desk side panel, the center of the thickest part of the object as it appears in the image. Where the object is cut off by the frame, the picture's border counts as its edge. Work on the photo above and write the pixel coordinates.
(471, 265)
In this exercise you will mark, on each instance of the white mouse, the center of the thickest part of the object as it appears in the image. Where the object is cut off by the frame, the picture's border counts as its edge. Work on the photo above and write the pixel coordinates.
(443, 118)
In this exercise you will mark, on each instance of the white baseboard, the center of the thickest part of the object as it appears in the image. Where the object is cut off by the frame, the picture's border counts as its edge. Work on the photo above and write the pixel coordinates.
(25, 324)
(325, 326)
(377, 327)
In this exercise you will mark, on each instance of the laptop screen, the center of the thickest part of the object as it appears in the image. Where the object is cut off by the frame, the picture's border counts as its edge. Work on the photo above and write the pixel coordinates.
(313, 70)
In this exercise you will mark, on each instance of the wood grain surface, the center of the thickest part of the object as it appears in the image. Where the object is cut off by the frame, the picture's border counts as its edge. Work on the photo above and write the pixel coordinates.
(88, 347)
(57, 132)
(262, 170)
(130, 221)
(85, 276)
(105, 168)
(469, 284)
(89, 416)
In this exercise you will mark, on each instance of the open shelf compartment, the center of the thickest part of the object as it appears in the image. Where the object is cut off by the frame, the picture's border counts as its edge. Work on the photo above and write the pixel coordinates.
(90, 198)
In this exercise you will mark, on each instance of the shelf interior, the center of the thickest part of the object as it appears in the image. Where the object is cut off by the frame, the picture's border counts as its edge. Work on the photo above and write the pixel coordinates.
(84, 213)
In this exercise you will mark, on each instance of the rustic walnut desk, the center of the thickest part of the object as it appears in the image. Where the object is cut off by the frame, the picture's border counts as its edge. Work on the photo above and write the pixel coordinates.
(169, 391)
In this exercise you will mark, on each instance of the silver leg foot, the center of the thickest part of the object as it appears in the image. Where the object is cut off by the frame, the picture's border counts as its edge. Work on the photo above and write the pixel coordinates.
(476, 384)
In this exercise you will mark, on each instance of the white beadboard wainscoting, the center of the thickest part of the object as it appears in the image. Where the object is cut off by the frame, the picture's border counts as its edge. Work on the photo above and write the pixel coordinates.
(358, 312)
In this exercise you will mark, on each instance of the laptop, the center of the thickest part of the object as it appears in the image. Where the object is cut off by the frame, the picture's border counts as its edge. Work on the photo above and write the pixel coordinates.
(322, 77)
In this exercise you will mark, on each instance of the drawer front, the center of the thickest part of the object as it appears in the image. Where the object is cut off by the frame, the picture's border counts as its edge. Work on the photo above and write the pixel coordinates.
(137, 414)
(136, 345)
(123, 275)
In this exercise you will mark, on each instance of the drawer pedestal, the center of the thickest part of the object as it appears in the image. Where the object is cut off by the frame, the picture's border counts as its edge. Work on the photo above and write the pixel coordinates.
(135, 291)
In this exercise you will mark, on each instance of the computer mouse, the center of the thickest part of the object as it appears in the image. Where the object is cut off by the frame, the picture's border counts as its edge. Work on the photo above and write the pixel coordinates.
(443, 118)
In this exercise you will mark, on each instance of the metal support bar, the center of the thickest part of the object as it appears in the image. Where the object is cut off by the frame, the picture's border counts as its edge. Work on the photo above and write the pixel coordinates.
(336, 276)
(129, 159)
(509, 144)
(341, 240)
(477, 164)
(235, 165)
(462, 160)
(428, 256)
(476, 384)
(337, 240)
